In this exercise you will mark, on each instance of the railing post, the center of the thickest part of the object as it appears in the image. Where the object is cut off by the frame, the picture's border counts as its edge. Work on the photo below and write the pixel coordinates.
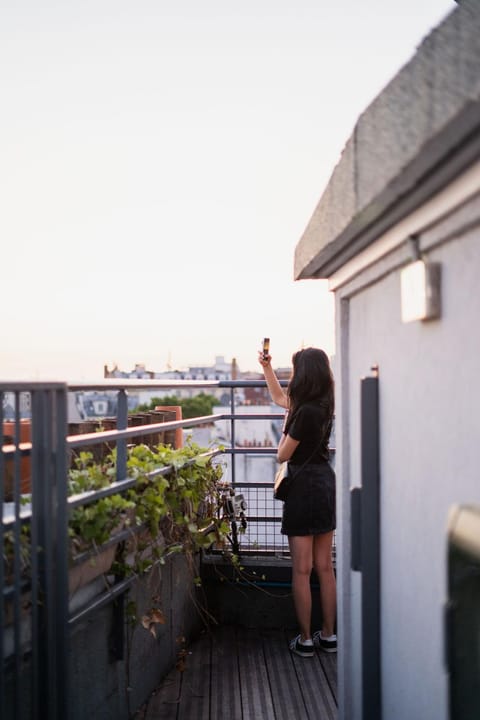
(232, 431)
(116, 639)
(61, 553)
(49, 554)
(17, 544)
(2, 570)
(122, 423)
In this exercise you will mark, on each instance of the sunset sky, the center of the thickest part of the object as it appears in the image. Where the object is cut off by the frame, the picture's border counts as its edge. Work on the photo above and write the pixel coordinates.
(160, 160)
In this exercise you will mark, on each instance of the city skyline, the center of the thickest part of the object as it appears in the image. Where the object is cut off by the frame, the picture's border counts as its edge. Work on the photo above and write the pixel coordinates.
(222, 364)
(161, 161)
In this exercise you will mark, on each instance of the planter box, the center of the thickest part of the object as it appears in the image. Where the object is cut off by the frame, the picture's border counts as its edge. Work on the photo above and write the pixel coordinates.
(88, 570)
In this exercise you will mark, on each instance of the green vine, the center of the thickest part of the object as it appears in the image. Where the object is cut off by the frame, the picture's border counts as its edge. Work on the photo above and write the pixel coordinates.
(180, 508)
(164, 513)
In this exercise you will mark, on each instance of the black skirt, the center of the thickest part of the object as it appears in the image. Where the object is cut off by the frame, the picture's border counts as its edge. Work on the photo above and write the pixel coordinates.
(310, 506)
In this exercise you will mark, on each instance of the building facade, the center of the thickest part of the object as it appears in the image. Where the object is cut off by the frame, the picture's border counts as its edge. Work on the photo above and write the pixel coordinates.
(397, 234)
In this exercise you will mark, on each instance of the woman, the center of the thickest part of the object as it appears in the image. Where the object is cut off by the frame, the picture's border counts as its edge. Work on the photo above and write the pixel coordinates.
(309, 510)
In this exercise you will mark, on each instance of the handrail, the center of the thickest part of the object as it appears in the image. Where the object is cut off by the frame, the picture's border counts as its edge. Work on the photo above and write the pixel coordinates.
(140, 430)
(96, 438)
(144, 383)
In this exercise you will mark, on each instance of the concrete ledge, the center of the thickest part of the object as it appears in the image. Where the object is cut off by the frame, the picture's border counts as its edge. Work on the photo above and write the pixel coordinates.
(263, 600)
(108, 684)
(104, 687)
(429, 110)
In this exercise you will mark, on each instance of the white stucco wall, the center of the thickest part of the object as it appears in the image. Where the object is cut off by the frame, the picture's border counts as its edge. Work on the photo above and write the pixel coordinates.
(429, 439)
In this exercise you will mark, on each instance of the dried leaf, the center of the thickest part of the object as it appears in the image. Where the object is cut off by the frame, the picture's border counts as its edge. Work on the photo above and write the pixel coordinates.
(158, 616)
(155, 615)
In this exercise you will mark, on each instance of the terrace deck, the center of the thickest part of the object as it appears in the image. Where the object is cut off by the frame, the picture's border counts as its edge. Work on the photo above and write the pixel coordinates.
(246, 675)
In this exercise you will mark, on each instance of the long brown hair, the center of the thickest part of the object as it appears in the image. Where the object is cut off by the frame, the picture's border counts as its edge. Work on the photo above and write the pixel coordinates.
(312, 381)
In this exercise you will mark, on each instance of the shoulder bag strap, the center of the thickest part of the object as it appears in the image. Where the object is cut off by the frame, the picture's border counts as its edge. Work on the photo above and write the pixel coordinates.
(306, 461)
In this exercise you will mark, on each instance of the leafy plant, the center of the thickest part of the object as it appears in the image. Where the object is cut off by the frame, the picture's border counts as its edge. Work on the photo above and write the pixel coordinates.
(180, 507)
(178, 511)
(175, 512)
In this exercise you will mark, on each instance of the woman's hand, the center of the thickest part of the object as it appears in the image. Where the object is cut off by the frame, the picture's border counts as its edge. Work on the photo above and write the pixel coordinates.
(264, 362)
(278, 395)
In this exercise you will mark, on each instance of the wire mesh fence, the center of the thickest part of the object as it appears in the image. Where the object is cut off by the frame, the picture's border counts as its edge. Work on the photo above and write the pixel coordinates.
(256, 519)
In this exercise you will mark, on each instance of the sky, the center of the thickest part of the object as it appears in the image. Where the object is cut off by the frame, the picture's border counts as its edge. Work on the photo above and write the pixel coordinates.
(159, 162)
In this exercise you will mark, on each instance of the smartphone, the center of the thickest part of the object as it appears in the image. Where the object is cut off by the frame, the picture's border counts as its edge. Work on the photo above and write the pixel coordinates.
(266, 348)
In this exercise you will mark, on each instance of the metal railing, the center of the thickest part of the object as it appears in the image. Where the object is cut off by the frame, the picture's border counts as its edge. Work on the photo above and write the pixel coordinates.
(262, 535)
(41, 633)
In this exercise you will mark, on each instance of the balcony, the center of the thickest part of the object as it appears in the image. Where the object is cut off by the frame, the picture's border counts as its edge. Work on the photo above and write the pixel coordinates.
(71, 651)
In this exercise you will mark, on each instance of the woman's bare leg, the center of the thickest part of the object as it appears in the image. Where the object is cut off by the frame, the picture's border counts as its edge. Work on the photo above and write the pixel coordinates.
(301, 551)
(322, 562)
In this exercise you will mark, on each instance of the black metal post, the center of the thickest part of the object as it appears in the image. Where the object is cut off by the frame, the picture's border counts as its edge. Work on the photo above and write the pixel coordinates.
(232, 432)
(17, 595)
(49, 554)
(122, 423)
(2, 570)
(61, 553)
(370, 550)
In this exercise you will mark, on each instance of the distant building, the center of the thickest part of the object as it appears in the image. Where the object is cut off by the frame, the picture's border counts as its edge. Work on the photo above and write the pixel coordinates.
(255, 395)
(221, 370)
(139, 372)
(92, 404)
(86, 405)
(9, 405)
(96, 404)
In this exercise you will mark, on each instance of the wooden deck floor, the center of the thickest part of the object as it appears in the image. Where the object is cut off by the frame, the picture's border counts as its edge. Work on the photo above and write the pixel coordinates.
(242, 674)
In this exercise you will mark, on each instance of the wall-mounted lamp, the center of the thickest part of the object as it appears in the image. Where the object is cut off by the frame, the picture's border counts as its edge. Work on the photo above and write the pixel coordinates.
(420, 288)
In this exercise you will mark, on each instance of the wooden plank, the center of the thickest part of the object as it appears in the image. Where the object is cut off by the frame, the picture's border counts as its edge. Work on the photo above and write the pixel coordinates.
(225, 678)
(286, 692)
(249, 674)
(329, 665)
(163, 704)
(195, 695)
(255, 688)
(317, 694)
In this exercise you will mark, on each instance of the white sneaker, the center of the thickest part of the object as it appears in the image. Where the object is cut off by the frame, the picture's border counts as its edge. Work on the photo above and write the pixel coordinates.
(304, 649)
(327, 644)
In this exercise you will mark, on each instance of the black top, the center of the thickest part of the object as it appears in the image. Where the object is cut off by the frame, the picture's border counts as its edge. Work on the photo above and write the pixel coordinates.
(311, 425)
